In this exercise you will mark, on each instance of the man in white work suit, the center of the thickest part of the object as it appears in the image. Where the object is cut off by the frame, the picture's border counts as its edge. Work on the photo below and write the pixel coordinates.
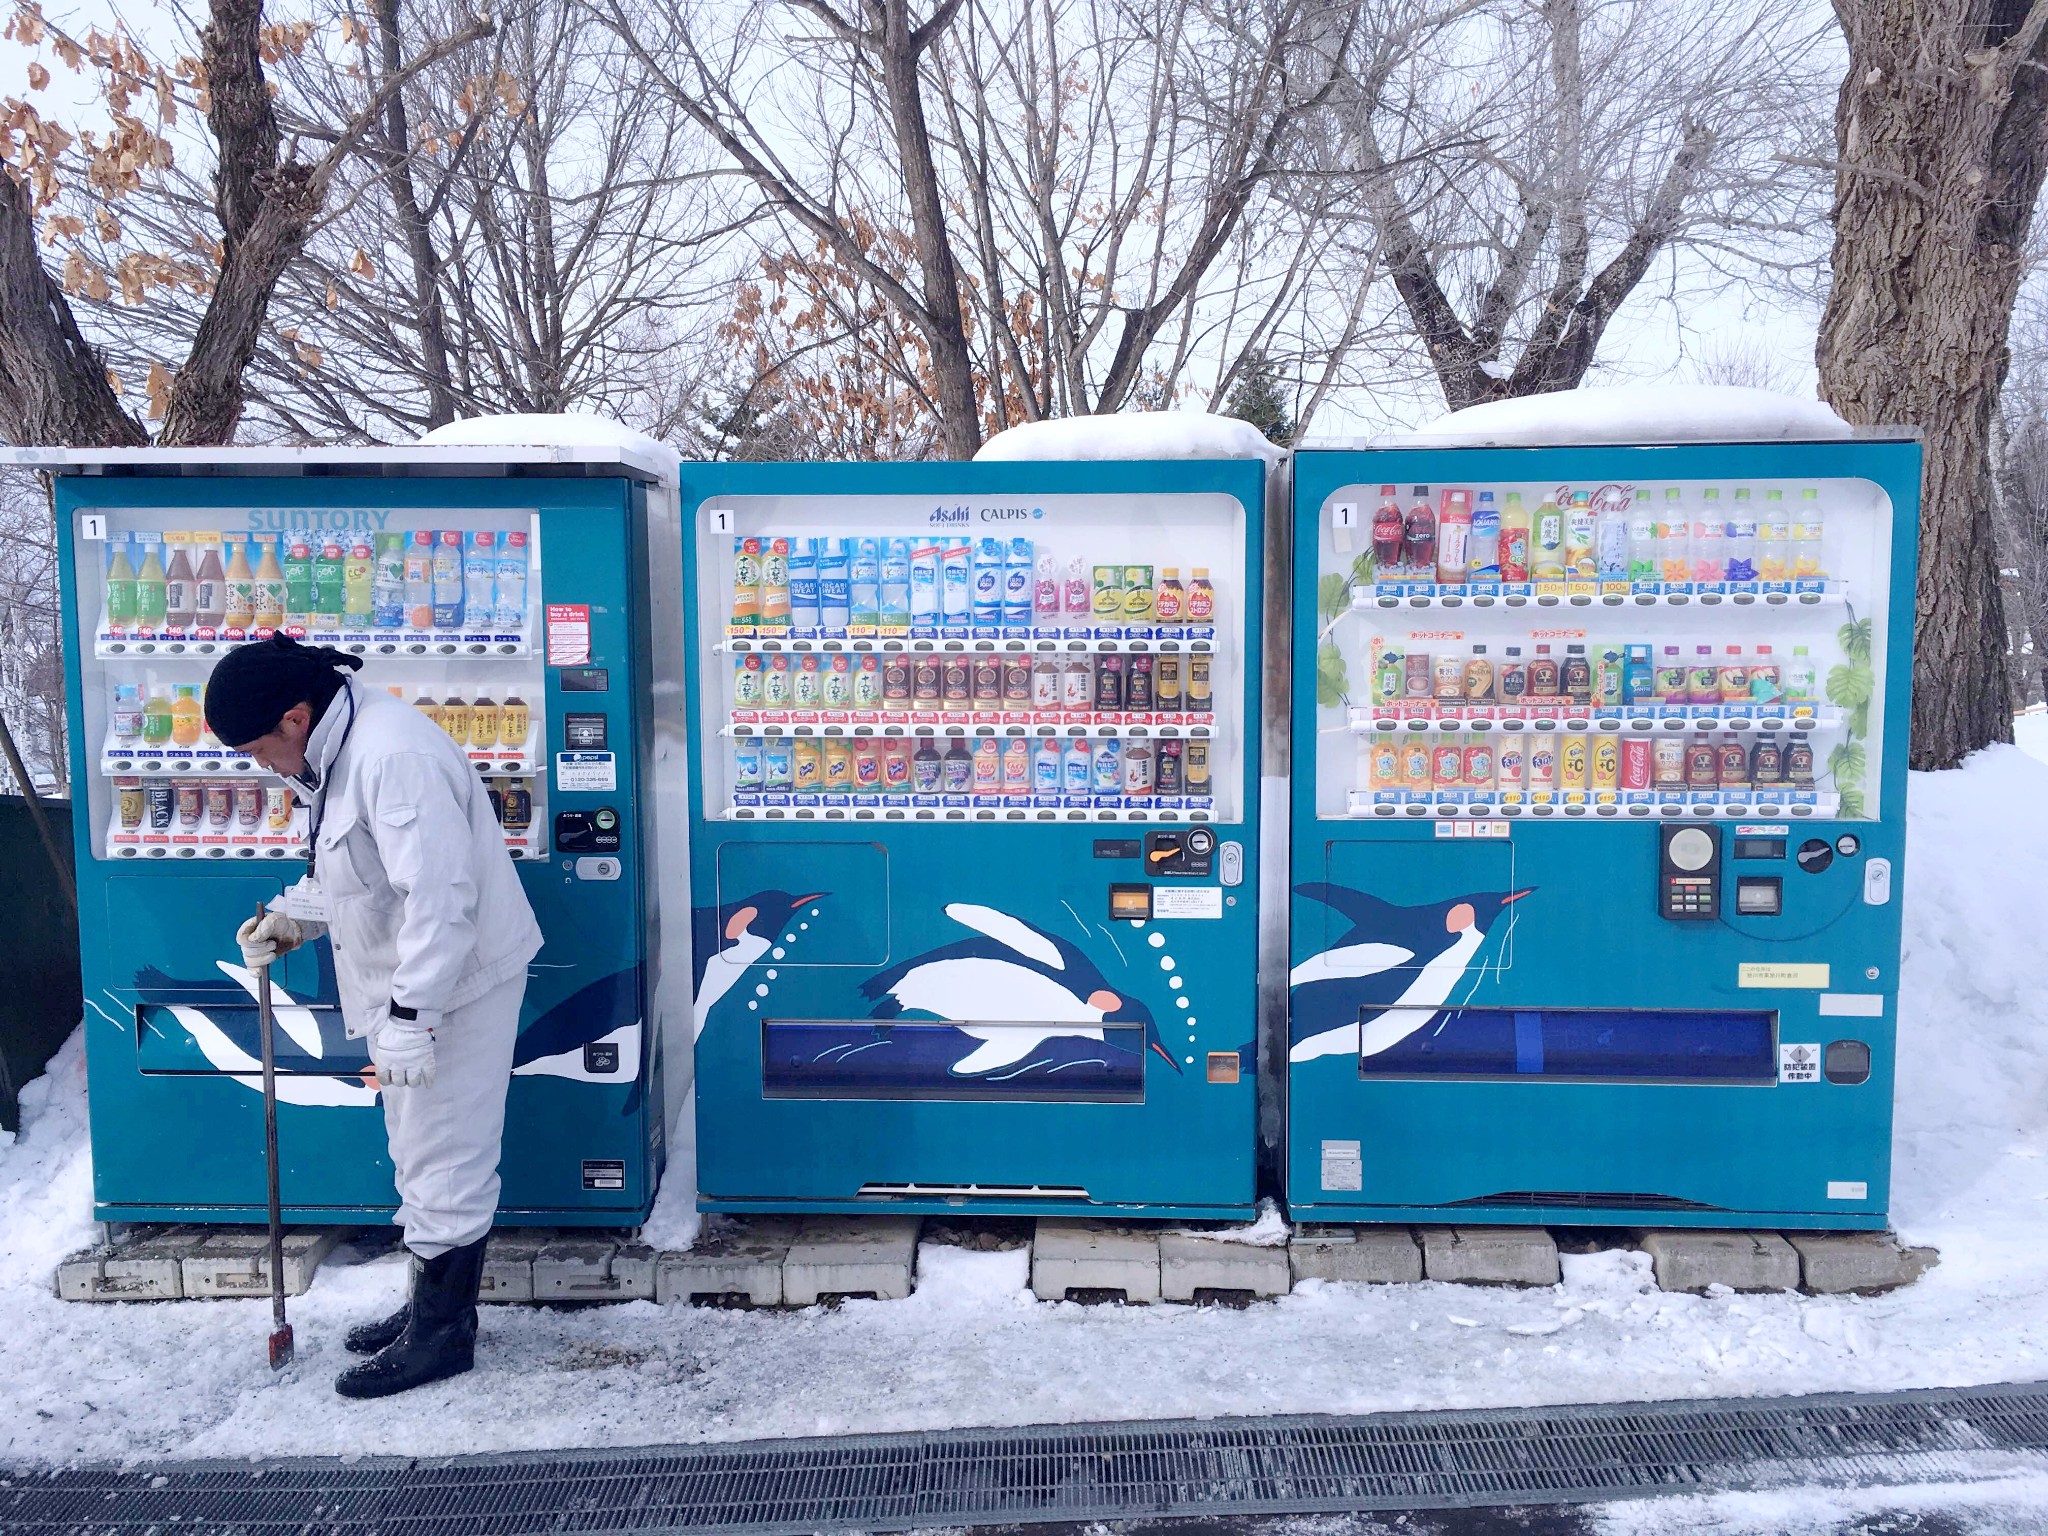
(409, 878)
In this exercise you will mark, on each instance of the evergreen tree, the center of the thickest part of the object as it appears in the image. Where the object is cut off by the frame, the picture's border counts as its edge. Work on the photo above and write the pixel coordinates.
(1260, 398)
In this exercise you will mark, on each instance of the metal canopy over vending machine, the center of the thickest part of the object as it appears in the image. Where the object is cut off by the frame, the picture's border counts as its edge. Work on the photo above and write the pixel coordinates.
(494, 588)
(977, 853)
(1597, 834)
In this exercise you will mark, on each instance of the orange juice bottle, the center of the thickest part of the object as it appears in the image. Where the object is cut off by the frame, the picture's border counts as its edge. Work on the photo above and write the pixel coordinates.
(188, 717)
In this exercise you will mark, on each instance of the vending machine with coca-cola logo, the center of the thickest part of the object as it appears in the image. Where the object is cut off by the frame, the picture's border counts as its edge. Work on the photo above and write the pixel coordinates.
(495, 590)
(1599, 812)
(976, 836)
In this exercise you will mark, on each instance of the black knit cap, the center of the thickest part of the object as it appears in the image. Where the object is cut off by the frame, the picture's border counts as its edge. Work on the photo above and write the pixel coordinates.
(253, 687)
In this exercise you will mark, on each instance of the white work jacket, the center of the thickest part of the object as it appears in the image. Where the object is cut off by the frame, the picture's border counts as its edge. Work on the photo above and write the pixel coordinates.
(424, 906)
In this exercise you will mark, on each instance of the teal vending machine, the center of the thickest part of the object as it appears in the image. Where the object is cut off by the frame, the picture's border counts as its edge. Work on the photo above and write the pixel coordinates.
(1599, 823)
(976, 839)
(495, 589)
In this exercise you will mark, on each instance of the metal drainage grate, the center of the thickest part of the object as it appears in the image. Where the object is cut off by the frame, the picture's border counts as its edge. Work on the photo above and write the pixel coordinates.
(1074, 1472)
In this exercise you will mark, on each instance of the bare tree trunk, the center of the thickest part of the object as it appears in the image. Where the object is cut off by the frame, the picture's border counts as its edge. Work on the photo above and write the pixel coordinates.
(412, 221)
(1939, 133)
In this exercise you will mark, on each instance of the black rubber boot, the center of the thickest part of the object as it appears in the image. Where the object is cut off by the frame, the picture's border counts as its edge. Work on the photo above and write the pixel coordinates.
(368, 1338)
(438, 1336)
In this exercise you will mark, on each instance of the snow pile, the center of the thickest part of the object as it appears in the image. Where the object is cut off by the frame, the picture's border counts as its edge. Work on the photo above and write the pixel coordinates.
(1132, 435)
(562, 429)
(1637, 413)
(971, 1347)
(2030, 733)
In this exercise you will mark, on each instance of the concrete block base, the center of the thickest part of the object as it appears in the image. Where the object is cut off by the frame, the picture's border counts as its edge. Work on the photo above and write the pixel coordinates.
(1360, 1255)
(508, 1264)
(1691, 1260)
(150, 1268)
(588, 1269)
(742, 1265)
(1197, 1268)
(834, 1256)
(1077, 1260)
(238, 1263)
(1490, 1255)
(1833, 1263)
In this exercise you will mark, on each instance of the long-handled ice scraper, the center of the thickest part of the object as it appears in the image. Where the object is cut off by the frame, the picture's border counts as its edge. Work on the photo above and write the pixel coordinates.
(281, 1335)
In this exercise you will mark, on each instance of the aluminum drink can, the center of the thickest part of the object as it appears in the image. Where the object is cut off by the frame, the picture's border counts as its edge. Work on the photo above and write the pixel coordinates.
(191, 803)
(160, 802)
(277, 808)
(131, 803)
(1636, 754)
(220, 804)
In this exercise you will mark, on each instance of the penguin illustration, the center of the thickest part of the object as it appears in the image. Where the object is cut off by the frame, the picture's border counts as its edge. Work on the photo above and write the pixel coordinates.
(1350, 999)
(1009, 970)
(729, 939)
(606, 1011)
(239, 1060)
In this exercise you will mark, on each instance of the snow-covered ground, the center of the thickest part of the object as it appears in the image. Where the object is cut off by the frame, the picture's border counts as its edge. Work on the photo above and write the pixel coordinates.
(2030, 731)
(972, 1347)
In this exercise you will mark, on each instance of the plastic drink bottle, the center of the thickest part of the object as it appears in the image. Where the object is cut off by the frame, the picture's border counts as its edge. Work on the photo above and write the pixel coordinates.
(1045, 592)
(987, 594)
(1642, 539)
(188, 719)
(1740, 554)
(838, 755)
(1575, 677)
(1732, 764)
(1764, 686)
(419, 583)
(1674, 539)
(1580, 561)
(1109, 767)
(1638, 676)
(447, 580)
(1544, 679)
(1170, 601)
(1774, 539)
(1806, 538)
(156, 718)
(1482, 558)
(1512, 678)
(330, 583)
(1546, 551)
(1611, 543)
(807, 765)
(479, 577)
(894, 598)
(1478, 678)
(209, 587)
(266, 599)
(150, 594)
(865, 583)
(1020, 585)
(180, 600)
(1077, 594)
(387, 580)
(1703, 682)
(925, 767)
(455, 720)
(513, 723)
(835, 587)
(509, 611)
(774, 583)
(1078, 767)
(1387, 533)
(355, 584)
(1514, 539)
(803, 586)
(120, 588)
(298, 580)
(1418, 536)
(1201, 597)
(127, 719)
(483, 723)
(1734, 676)
(924, 584)
(1017, 766)
(1710, 539)
(238, 589)
(1799, 678)
(1453, 538)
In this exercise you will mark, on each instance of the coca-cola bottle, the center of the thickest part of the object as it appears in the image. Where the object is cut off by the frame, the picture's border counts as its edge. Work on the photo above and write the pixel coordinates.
(1387, 533)
(1418, 534)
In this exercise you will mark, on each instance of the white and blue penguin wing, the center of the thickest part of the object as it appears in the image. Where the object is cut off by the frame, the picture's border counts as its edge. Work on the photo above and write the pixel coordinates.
(1349, 963)
(723, 970)
(1010, 932)
(971, 988)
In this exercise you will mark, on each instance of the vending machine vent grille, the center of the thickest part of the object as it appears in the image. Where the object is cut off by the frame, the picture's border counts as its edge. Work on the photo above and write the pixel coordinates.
(1607, 1200)
(1218, 1469)
(973, 1191)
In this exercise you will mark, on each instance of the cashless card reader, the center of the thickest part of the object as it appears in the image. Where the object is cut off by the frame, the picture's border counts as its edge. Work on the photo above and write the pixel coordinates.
(1689, 873)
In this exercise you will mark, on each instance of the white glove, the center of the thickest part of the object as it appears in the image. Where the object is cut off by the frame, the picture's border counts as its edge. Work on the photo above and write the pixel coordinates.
(402, 1050)
(264, 938)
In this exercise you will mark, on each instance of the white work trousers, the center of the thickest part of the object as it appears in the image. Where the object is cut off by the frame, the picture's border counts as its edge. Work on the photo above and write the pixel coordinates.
(446, 1140)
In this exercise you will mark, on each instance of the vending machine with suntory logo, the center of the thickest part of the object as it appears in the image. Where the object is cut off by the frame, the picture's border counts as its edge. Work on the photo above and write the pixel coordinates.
(493, 589)
(1598, 827)
(976, 838)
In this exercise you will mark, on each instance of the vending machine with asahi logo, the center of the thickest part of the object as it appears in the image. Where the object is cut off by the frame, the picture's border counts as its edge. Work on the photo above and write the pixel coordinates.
(976, 838)
(495, 590)
(1599, 813)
